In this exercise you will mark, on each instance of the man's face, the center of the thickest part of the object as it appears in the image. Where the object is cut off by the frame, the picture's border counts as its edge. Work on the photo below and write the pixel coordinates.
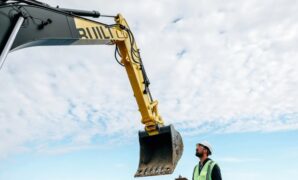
(200, 150)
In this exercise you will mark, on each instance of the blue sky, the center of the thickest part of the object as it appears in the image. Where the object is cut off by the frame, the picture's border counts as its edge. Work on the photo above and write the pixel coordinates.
(222, 71)
(240, 155)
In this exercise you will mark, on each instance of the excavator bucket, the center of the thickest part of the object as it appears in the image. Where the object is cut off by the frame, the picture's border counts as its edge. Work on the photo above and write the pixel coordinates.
(160, 153)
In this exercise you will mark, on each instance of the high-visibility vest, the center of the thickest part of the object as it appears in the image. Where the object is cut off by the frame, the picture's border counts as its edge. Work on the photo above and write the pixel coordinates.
(205, 172)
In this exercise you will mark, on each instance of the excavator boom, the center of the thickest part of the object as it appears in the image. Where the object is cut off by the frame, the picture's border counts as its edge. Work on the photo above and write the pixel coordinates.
(28, 23)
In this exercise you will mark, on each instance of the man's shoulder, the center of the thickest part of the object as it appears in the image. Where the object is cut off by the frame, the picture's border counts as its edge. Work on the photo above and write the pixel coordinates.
(211, 161)
(216, 166)
(216, 174)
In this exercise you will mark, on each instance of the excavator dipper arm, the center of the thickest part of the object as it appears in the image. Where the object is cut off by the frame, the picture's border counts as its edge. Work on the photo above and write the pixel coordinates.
(27, 23)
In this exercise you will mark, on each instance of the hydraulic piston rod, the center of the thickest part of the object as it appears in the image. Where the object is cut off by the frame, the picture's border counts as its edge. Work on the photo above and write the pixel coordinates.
(10, 40)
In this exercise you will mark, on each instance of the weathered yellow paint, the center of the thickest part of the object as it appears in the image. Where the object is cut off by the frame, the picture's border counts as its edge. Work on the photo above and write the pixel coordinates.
(148, 109)
(118, 34)
(96, 31)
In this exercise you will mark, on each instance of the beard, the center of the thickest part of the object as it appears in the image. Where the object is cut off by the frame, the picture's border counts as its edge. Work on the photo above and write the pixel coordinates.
(198, 154)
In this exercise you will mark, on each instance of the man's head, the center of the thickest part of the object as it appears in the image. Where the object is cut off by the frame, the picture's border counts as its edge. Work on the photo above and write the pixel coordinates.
(203, 149)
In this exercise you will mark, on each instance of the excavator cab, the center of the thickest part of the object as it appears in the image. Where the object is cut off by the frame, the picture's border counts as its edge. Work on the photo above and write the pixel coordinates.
(160, 153)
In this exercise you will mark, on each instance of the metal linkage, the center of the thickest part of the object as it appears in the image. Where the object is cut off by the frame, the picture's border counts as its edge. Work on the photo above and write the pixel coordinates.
(11, 39)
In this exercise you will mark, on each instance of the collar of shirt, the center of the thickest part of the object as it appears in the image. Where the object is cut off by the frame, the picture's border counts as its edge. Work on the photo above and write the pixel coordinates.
(201, 165)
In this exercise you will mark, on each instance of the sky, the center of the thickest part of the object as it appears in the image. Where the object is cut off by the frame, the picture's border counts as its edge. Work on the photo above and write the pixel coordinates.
(224, 71)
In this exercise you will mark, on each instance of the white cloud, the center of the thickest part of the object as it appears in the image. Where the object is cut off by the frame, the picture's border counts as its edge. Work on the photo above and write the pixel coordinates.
(238, 72)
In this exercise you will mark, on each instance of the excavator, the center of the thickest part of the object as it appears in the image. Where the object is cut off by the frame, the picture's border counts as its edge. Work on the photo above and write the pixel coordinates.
(28, 23)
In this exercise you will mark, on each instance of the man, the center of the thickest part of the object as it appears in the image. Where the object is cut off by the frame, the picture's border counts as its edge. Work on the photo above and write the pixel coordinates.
(207, 169)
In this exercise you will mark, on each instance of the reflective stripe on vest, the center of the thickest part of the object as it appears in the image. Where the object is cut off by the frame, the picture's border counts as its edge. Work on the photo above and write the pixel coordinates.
(205, 172)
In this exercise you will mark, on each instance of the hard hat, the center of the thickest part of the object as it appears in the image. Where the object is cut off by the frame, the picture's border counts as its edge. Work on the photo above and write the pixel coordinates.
(207, 145)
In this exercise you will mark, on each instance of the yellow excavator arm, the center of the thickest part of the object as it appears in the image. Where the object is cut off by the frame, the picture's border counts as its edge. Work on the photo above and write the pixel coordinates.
(120, 35)
(160, 146)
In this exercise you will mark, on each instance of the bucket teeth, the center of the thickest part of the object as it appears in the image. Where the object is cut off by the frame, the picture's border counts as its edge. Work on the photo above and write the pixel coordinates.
(153, 171)
(160, 153)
